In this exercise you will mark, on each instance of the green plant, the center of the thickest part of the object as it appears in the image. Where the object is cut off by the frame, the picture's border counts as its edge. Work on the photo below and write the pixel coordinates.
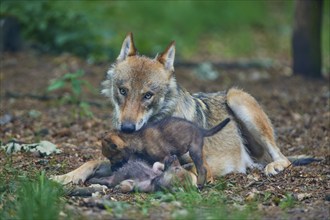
(116, 208)
(8, 189)
(52, 28)
(191, 204)
(40, 199)
(75, 84)
(28, 194)
(267, 196)
(287, 202)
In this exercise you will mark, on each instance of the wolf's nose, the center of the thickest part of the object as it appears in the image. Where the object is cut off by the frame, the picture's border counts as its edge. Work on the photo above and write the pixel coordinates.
(127, 127)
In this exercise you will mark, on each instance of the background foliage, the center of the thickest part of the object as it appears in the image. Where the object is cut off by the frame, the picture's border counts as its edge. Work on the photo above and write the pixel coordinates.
(225, 29)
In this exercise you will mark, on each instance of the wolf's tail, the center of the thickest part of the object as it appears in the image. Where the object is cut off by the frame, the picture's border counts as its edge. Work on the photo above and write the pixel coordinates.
(302, 160)
(217, 128)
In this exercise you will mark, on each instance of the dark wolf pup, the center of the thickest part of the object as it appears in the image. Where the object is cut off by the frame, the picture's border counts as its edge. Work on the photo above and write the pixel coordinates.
(143, 90)
(137, 175)
(155, 141)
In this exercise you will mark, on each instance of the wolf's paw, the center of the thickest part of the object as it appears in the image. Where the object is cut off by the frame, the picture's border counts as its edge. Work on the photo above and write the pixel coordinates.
(277, 166)
(209, 179)
(66, 179)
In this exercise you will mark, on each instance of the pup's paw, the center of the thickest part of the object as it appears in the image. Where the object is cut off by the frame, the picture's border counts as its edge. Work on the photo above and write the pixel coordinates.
(126, 186)
(158, 167)
(277, 166)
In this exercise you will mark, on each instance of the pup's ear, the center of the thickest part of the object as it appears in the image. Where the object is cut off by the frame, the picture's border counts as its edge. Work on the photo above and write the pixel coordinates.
(128, 48)
(167, 57)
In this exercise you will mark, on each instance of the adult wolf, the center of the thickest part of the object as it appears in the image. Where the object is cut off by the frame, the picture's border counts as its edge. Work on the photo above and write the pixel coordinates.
(142, 90)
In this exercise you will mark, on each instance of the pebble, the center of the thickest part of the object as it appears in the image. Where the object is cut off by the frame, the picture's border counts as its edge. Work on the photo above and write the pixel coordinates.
(6, 119)
(302, 196)
(327, 197)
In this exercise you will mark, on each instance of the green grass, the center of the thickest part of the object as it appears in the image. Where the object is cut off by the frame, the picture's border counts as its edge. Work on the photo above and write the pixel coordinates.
(287, 202)
(211, 203)
(28, 194)
(39, 199)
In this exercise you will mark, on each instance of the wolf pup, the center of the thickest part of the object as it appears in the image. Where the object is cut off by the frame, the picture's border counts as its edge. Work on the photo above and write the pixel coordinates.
(144, 90)
(155, 141)
(137, 175)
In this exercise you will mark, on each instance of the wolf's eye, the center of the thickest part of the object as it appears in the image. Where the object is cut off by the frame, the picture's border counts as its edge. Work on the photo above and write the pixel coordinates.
(123, 91)
(148, 95)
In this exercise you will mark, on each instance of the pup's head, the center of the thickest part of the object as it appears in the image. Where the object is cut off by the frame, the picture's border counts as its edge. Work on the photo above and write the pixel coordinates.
(113, 147)
(175, 176)
(140, 87)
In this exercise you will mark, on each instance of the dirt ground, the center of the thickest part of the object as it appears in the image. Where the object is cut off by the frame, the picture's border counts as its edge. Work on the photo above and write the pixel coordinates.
(299, 109)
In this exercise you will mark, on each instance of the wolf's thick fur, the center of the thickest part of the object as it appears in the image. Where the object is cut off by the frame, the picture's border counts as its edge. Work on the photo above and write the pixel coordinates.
(142, 89)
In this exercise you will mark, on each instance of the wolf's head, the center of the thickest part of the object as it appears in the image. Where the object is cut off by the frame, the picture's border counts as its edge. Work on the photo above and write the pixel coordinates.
(139, 87)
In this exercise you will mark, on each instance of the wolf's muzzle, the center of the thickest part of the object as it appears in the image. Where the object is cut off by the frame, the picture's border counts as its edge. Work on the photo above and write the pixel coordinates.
(127, 127)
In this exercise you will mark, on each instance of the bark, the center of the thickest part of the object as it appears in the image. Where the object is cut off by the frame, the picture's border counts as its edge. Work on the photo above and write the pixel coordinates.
(10, 39)
(306, 40)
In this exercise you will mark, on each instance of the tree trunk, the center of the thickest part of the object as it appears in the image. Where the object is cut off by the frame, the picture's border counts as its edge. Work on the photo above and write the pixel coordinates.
(306, 40)
(10, 39)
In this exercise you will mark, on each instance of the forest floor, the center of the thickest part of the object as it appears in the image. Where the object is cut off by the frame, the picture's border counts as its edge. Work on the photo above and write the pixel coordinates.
(299, 109)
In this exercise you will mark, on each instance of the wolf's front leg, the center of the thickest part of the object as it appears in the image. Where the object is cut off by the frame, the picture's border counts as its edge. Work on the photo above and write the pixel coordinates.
(94, 168)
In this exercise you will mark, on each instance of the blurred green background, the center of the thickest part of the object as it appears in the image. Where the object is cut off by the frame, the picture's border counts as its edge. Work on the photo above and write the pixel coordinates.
(213, 30)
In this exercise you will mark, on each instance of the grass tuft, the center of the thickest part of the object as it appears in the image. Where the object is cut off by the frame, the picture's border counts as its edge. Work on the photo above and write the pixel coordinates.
(39, 199)
(28, 195)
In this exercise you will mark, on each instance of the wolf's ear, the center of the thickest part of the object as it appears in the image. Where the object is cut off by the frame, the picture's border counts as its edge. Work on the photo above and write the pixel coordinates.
(128, 48)
(167, 57)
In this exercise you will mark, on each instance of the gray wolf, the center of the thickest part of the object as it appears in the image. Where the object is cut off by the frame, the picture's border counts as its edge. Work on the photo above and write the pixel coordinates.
(143, 90)
(156, 140)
